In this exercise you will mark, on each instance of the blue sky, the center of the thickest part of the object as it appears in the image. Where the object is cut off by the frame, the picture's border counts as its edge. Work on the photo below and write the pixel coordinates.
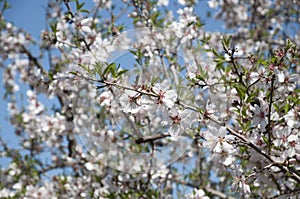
(28, 15)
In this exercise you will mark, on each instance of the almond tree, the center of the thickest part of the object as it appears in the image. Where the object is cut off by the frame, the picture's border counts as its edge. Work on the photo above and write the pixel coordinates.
(186, 114)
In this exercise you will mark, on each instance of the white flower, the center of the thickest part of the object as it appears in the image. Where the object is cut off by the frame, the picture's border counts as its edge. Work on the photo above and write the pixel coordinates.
(165, 96)
(17, 186)
(197, 194)
(179, 121)
(192, 71)
(186, 15)
(107, 3)
(238, 51)
(281, 77)
(292, 118)
(255, 76)
(130, 101)
(293, 145)
(259, 118)
(260, 115)
(163, 2)
(105, 98)
(85, 24)
(182, 2)
(34, 106)
(227, 159)
(281, 135)
(227, 56)
(217, 139)
(213, 4)
(161, 173)
(89, 166)
(146, 103)
(239, 181)
(100, 51)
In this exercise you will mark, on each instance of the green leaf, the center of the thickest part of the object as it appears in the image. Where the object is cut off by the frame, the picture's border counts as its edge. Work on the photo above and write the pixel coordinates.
(86, 68)
(220, 64)
(110, 68)
(53, 26)
(71, 72)
(241, 91)
(113, 70)
(85, 10)
(250, 98)
(155, 15)
(247, 126)
(286, 108)
(98, 68)
(79, 5)
(121, 72)
(83, 66)
(243, 149)
(289, 44)
(265, 139)
(6, 5)
(217, 54)
(133, 52)
(51, 75)
(226, 42)
(106, 70)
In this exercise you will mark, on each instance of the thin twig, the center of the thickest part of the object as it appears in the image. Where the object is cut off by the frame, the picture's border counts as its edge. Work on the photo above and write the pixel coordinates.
(33, 59)
(269, 114)
(69, 8)
(151, 138)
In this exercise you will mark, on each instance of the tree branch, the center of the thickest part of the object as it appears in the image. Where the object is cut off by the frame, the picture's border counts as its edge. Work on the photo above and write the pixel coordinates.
(151, 138)
(33, 59)
(269, 114)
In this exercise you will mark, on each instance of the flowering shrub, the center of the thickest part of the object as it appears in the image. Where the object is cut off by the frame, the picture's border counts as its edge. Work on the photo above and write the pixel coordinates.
(195, 114)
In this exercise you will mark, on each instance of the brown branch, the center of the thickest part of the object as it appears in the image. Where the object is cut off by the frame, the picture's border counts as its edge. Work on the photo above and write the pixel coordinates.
(269, 114)
(151, 138)
(69, 8)
(236, 70)
(115, 84)
(33, 59)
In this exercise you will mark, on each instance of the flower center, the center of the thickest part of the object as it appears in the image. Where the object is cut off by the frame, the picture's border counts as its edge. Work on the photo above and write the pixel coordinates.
(176, 119)
(161, 96)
